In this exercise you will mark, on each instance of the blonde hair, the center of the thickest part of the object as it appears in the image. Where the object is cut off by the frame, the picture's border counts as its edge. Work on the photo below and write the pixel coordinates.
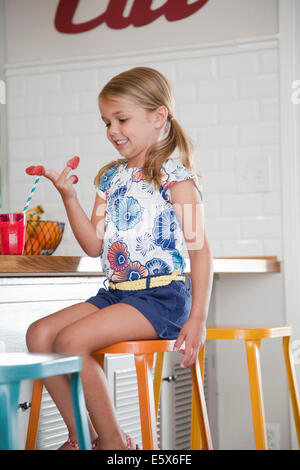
(149, 89)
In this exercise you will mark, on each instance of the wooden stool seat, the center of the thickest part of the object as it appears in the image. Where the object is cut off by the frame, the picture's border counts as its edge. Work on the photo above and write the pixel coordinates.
(247, 332)
(252, 335)
(137, 347)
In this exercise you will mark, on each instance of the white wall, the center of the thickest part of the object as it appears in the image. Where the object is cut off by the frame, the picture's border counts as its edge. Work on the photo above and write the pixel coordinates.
(218, 20)
(3, 174)
(290, 173)
(2, 39)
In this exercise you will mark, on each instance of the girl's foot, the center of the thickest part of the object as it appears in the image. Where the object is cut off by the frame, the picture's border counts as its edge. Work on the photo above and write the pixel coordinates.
(69, 445)
(122, 443)
(72, 444)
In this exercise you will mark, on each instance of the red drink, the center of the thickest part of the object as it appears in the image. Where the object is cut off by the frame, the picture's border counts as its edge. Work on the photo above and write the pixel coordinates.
(12, 233)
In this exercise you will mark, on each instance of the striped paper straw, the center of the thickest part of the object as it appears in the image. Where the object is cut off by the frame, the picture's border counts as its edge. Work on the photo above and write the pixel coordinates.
(31, 194)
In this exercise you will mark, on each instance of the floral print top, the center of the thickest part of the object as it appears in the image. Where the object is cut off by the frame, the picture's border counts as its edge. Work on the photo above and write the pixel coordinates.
(143, 236)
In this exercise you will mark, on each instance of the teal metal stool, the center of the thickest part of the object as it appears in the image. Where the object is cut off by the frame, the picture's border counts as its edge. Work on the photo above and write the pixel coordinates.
(15, 367)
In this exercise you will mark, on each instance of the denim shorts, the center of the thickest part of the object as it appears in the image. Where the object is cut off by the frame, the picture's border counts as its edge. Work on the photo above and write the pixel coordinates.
(166, 307)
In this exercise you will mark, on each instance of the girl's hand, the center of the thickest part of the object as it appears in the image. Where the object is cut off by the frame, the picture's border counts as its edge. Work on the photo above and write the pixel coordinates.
(63, 184)
(193, 333)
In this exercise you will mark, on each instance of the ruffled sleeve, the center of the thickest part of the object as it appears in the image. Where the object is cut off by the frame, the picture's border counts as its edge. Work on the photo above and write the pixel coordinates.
(174, 171)
(105, 181)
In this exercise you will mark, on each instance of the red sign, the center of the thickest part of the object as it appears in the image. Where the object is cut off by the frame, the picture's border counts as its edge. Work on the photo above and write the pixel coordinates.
(140, 15)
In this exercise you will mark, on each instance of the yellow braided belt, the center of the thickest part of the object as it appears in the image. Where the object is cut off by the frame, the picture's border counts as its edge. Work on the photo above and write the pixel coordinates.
(155, 281)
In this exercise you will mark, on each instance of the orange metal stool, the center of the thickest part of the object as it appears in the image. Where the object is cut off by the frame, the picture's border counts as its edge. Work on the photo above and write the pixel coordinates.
(252, 337)
(148, 390)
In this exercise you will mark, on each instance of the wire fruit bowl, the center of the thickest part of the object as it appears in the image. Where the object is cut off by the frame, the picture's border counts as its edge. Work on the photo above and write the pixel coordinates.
(42, 237)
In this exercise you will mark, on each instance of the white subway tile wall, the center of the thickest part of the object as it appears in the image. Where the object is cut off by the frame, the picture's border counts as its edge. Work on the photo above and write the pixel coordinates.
(228, 103)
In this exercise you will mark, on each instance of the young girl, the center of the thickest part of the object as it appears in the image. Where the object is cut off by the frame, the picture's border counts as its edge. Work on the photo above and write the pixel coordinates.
(147, 204)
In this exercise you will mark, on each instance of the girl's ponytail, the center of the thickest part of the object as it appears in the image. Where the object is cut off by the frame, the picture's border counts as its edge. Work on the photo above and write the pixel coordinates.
(183, 143)
(176, 138)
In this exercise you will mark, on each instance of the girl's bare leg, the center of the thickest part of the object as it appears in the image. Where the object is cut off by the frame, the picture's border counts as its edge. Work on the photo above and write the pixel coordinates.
(109, 325)
(82, 329)
(40, 338)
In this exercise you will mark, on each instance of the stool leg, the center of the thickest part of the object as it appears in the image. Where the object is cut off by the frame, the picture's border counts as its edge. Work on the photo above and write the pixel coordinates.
(291, 376)
(143, 364)
(9, 398)
(34, 416)
(256, 394)
(195, 427)
(80, 413)
(200, 406)
(159, 364)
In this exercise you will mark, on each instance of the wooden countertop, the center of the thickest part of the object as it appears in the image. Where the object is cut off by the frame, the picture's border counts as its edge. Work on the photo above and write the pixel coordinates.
(38, 266)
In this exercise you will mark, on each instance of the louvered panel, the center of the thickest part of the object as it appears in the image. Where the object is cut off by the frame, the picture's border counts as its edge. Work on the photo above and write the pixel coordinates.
(127, 404)
(176, 404)
(182, 405)
(158, 427)
(52, 431)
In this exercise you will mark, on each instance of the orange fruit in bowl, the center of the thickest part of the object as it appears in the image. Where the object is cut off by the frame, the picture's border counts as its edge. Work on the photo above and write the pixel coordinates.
(42, 235)
(47, 233)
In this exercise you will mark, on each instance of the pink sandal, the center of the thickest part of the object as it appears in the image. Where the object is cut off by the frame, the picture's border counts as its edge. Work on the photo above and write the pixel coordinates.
(75, 444)
(130, 444)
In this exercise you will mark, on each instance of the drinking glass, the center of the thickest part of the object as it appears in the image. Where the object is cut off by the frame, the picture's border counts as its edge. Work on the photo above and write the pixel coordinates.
(12, 233)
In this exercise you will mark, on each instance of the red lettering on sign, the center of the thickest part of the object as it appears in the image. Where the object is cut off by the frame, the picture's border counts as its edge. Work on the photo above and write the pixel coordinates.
(178, 9)
(140, 15)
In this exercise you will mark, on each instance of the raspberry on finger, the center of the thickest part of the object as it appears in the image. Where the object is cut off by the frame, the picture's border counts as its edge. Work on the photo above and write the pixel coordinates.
(73, 162)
